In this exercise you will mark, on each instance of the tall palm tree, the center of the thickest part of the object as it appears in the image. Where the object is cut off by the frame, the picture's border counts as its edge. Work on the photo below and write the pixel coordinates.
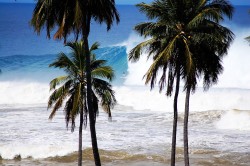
(188, 41)
(166, 48)
(71, 88)
(75, 17)
(207, 42)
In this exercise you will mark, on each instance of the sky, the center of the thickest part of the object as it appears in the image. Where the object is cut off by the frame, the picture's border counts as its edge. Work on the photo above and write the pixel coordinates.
(235, 2)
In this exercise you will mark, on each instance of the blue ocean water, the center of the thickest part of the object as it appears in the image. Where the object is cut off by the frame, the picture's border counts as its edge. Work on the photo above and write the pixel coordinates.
(31, 67)
(19, 37)
(140, 120)
(22, 52)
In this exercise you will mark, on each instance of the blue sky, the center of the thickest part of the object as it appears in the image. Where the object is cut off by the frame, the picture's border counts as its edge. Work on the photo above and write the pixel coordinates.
(236, 2)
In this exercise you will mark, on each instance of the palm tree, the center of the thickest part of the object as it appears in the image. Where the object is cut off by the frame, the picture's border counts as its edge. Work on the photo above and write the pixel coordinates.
(207, 42)
(188, 41)
(166, 48)
(75, 17)
(71, 88)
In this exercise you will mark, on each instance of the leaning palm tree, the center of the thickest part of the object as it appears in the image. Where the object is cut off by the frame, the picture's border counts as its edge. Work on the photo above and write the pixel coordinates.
(71, 88)
(188, 42)
(75, 16)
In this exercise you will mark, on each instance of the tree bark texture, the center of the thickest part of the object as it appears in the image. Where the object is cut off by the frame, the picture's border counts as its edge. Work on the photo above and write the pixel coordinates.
(90, 107)
(185, 130)
(173, 150)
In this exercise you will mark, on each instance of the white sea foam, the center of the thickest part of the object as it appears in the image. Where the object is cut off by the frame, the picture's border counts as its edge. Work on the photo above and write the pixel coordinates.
(236, 67)
(39, 150)
(26, 131)
(235, 120)
(137, 70)
(230, 93)
(235, 64)
(23, 93)
(134, 93)
(20, 138)
(142, 98)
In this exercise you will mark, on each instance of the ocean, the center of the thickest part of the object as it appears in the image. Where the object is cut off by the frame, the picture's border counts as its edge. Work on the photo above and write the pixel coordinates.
(141, 127)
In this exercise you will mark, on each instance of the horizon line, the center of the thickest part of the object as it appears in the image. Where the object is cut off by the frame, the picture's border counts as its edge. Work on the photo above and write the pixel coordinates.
(116, 4)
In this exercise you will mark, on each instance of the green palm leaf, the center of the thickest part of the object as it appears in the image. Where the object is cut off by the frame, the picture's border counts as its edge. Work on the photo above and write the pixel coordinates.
(71, 88)
(136, 52)
(187, 43)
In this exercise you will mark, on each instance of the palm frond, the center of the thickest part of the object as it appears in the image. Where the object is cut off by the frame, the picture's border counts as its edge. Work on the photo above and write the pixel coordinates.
(105, 72)
(97, 63)
(208, 13)
(61, 92)
(223, 6)
(144, 29)
(189, 58)
(162, 58)
(94, 46)
(151, 10)
(64, 17)
(67, 111)
(58, 81)
(136, 52)
(104, 11)
(184, 35)
(104, 90)
(77, 101)
(63, 61)
(57, 105)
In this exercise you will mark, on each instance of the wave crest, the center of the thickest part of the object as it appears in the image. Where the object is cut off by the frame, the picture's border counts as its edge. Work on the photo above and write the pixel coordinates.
(18, 93)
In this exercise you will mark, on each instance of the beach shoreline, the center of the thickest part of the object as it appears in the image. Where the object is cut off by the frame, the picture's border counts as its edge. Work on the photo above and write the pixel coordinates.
(198, 157)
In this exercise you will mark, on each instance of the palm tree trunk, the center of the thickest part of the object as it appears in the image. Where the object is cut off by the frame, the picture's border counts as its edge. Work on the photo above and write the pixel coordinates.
(173, 151)
(185, 131)
(90, 108)
(80, 139)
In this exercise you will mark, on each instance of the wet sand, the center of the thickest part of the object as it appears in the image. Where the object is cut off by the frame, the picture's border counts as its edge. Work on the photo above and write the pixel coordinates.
(198, 157)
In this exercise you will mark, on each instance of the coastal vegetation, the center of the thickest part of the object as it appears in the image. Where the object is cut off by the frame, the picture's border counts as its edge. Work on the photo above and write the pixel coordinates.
(71, 88)
(74, 17)
(186, 41)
